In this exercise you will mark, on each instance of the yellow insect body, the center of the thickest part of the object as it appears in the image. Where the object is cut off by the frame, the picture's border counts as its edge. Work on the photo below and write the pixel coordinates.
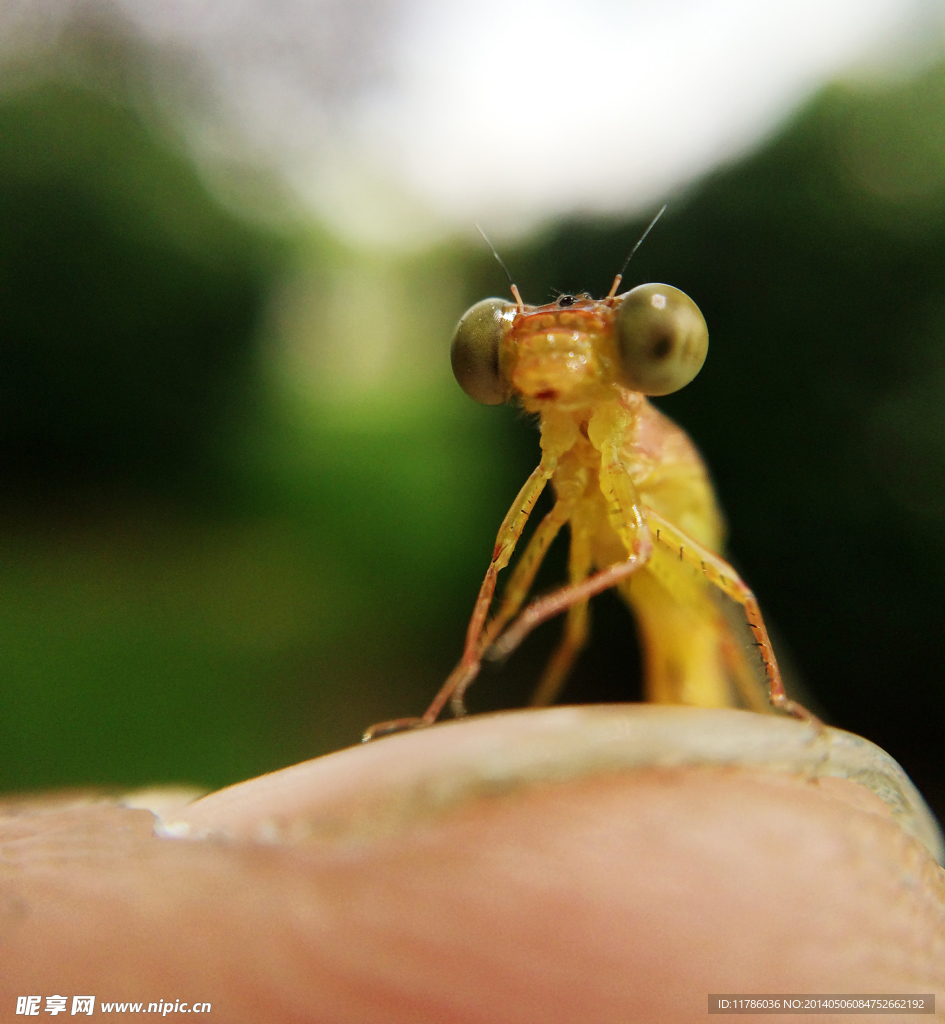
(629, 484)
(676, 615)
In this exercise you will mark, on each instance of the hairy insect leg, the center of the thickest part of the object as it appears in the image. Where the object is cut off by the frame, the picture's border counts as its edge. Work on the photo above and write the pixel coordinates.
(575, 625)
(723, 576)
(740, 672)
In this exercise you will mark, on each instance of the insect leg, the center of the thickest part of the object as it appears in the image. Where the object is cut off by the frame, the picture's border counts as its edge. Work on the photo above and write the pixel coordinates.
(576, 623)
(570, 485)
(626, 517)
(606, 429)
(525, 571)
(468, 667)
(723, 576)
(740, 672)
(558, 435)
(546, 608)
(522, 578)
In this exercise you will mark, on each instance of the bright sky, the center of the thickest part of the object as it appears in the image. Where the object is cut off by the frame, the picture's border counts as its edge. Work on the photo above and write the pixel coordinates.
(398, 121)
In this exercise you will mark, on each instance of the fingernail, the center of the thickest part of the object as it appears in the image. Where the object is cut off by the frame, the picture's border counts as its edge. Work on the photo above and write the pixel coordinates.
(366, 792)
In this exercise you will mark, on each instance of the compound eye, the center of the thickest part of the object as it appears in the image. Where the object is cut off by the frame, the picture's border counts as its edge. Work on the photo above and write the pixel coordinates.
(662, 339)
(475, 351)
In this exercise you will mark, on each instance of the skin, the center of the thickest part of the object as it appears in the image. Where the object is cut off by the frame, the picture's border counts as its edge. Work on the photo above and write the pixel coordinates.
(499, 869)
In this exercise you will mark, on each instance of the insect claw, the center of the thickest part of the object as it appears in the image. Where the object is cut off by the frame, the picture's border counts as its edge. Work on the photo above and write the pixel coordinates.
(389, 728)
(458, 706)
(495, 653)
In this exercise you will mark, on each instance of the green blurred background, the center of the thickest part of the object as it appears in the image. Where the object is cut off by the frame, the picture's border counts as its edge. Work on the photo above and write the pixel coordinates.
(244, 509)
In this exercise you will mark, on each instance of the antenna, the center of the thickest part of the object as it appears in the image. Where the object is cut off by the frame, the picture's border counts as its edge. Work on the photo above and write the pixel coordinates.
(512, 284)
(619, 277)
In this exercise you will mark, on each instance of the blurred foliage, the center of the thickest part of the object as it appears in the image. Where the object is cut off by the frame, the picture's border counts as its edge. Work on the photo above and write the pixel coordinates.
(128, 300)
(245, 511)
(206, 571)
